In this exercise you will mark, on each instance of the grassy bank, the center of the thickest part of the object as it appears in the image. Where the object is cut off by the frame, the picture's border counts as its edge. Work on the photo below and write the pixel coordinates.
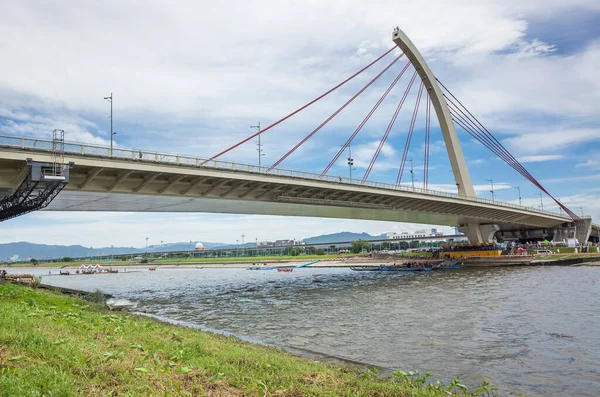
(56, 345)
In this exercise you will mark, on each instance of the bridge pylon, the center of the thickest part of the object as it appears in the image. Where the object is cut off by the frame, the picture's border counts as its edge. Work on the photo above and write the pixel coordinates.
(457, 160)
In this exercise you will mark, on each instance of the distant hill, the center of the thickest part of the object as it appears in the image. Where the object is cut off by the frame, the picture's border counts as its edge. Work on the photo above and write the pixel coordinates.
(27, 250)
(343, 236)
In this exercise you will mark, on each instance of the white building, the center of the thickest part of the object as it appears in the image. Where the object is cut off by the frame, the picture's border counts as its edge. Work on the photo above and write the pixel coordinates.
(280, 243)
(406, 235)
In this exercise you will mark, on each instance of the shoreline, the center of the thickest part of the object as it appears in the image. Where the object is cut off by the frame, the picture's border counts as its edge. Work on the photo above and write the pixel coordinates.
(47, 348)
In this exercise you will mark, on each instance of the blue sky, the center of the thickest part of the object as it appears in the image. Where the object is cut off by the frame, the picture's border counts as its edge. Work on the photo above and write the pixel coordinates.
(192, 77)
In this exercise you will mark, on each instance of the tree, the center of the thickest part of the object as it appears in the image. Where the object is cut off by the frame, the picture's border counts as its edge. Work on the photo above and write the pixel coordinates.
(359, 245)
(320, 251)
(67, 259)
(33, 261)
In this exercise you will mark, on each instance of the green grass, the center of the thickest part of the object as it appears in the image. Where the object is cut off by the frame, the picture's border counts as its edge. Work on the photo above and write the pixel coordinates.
(55, 345)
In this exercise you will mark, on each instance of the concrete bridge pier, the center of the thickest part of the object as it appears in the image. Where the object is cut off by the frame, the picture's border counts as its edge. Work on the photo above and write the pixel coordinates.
(583, 229)
(479, 233)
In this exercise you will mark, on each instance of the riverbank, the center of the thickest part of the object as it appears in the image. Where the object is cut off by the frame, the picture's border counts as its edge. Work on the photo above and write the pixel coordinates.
(53, 344)
(537, 260)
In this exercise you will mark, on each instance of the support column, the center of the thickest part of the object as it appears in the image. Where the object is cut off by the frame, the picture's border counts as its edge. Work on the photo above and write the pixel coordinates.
(455, 154)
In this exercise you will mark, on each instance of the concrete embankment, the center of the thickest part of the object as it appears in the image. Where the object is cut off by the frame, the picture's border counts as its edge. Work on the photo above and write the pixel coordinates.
(70, 291)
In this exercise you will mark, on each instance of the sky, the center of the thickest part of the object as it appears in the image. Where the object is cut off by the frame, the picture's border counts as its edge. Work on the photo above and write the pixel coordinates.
(191, 77)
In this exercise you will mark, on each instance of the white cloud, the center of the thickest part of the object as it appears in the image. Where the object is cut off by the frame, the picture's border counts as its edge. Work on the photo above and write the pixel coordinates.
(589, 164)
(551, 140)
(192, 77)
(121, 229)
(540, 158)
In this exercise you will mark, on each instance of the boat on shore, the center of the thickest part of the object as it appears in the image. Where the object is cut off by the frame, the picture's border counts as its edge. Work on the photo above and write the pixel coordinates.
(385, 268)
(285, 269)
(151, 268)
(410, 267)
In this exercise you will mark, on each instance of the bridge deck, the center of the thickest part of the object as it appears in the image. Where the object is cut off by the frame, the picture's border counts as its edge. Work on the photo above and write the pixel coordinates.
(133, 180)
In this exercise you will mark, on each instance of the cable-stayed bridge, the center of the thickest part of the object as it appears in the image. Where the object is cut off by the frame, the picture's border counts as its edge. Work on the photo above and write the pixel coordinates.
(56, 175)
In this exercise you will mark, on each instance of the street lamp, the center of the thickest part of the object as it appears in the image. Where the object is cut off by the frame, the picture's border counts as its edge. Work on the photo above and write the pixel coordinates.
(243, 235)
(541, 201)
(110, 99)
(559, 207)
(259, 149)
(412, 173)
(147, 245)
(492, 191)
(237, 247)
(519, 189)
(581, 208)
(350, 161)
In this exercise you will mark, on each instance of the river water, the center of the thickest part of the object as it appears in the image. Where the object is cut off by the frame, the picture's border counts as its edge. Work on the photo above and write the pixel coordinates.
(529, 330)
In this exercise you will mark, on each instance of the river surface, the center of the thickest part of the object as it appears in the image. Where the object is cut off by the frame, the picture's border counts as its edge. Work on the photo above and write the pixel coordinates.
(529, 330)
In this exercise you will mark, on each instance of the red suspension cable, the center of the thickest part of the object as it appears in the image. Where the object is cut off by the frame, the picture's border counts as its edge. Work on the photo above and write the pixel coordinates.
(306, 138)
(299, 109)
(409, 135)
(497, 148)
(389, 128)
(361, 125)
(427, 135)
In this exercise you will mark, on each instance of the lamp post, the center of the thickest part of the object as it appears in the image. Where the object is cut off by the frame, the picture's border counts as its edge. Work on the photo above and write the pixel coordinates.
(559, 207)
(259, 149)
(581, 208)
(519, 190)
(541, 201)
(110, 99)
(412, 173)
(243, 235)
(492, 191)
(146, 245)
(237, 247)
(350, 161)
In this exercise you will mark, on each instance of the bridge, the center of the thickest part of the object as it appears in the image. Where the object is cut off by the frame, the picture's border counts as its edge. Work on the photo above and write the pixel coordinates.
(56, 175)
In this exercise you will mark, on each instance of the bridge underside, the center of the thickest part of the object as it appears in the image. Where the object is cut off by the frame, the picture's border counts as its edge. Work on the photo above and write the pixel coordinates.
(135, 186)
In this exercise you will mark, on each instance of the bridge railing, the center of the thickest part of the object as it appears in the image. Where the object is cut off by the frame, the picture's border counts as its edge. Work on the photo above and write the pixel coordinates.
(91, 150)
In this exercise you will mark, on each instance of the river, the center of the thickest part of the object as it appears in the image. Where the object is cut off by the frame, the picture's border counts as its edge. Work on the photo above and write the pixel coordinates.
(529, 330)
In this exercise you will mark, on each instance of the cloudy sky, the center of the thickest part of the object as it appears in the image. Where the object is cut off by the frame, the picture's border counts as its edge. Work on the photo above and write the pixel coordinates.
(190, 77)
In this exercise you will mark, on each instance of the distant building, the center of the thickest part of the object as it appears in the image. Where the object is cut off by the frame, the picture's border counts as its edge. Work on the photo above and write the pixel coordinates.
(280, 243)
(200, 247)
(406, 235)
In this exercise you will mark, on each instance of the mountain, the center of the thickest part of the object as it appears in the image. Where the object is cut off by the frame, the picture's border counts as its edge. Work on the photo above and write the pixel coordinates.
(343, 236)
(27, 250)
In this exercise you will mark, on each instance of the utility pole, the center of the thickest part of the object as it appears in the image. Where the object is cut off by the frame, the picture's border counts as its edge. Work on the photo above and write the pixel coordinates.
(519, 189)
(492, 191)
(110, 99)
(259, 149)
(350, 161)
(560, 208)
(541, 201)
(412, 173)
